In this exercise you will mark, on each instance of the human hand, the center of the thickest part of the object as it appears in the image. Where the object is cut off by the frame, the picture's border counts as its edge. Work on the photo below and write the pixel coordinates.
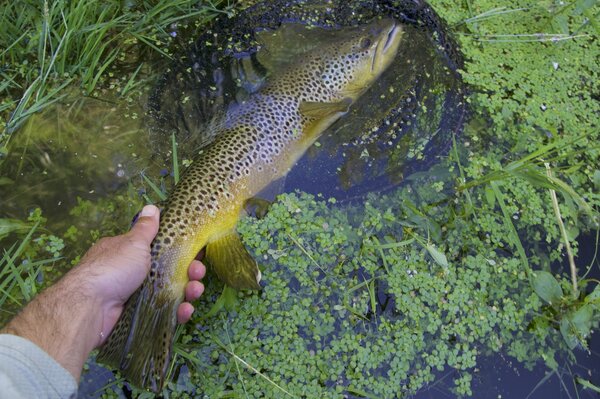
(72, 317)
(116, 266)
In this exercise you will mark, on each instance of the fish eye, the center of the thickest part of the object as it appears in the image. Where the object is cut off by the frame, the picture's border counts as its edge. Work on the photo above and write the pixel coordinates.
(365, 43)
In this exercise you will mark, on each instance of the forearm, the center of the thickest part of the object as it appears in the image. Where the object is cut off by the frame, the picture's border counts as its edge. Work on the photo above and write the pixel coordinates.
(74, 316)
(64, 321)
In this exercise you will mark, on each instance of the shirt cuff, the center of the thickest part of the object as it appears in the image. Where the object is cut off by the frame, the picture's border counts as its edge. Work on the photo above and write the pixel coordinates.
(29, 372)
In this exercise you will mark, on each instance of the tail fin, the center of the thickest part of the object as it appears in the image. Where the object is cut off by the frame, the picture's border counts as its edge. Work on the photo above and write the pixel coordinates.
(112, 352)
(140, 344)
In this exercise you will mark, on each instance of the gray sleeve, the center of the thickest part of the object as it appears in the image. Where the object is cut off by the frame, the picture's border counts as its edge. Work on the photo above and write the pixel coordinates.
(26, 371)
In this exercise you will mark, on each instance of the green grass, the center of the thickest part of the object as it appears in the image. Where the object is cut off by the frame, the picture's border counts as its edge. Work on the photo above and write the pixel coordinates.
(20, 275)
(47, 47)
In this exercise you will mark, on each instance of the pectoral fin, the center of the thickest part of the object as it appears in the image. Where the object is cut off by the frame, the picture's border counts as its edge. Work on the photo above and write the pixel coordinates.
(325, 110)
(231, 261)
(322, 116)
(257, 207)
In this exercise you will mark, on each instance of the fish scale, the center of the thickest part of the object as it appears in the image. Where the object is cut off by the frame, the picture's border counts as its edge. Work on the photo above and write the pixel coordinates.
(256, 142)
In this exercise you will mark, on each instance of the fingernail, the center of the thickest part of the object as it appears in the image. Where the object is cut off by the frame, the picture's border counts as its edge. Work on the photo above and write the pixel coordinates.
(148, 210)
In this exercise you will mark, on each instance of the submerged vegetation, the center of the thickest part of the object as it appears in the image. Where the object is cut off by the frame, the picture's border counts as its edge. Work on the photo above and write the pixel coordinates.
(407, 290)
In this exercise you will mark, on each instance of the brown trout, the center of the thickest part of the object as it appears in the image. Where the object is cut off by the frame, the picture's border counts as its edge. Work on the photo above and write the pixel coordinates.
(256, 142)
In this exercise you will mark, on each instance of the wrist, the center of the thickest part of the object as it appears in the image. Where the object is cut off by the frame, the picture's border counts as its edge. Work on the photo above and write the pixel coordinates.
(63, 321)
(85, 311)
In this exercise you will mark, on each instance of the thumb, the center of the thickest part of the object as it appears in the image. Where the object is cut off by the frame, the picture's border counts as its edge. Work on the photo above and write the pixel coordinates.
(146, 226)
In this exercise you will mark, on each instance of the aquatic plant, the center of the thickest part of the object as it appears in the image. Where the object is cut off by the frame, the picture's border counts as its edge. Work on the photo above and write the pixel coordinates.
(24, 263)
(418, 287)
(50, 46)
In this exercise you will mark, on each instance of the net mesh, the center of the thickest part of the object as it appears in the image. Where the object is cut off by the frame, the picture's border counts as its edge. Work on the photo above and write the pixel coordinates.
(408, 130)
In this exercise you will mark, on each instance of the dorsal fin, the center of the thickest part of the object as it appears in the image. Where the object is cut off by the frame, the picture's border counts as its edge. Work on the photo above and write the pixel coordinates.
(284, 45)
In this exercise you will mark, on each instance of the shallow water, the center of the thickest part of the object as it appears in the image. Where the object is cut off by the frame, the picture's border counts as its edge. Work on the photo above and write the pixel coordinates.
(95, 150)
(75, 161)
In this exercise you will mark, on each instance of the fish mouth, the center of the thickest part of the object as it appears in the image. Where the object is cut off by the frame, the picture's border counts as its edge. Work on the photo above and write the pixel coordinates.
(391, 36)
(388, 40)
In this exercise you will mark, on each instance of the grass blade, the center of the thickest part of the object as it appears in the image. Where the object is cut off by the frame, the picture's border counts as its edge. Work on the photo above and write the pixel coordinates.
(175, 160)
(513, 235)
(155, 188)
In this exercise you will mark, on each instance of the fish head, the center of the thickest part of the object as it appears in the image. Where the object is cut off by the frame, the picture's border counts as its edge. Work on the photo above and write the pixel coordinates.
(356, 59)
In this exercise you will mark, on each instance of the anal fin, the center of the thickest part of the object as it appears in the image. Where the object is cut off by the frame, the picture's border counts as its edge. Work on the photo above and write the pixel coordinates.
(231, 261)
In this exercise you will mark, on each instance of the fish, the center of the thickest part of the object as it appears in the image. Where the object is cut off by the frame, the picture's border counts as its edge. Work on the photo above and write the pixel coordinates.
(257, 142)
